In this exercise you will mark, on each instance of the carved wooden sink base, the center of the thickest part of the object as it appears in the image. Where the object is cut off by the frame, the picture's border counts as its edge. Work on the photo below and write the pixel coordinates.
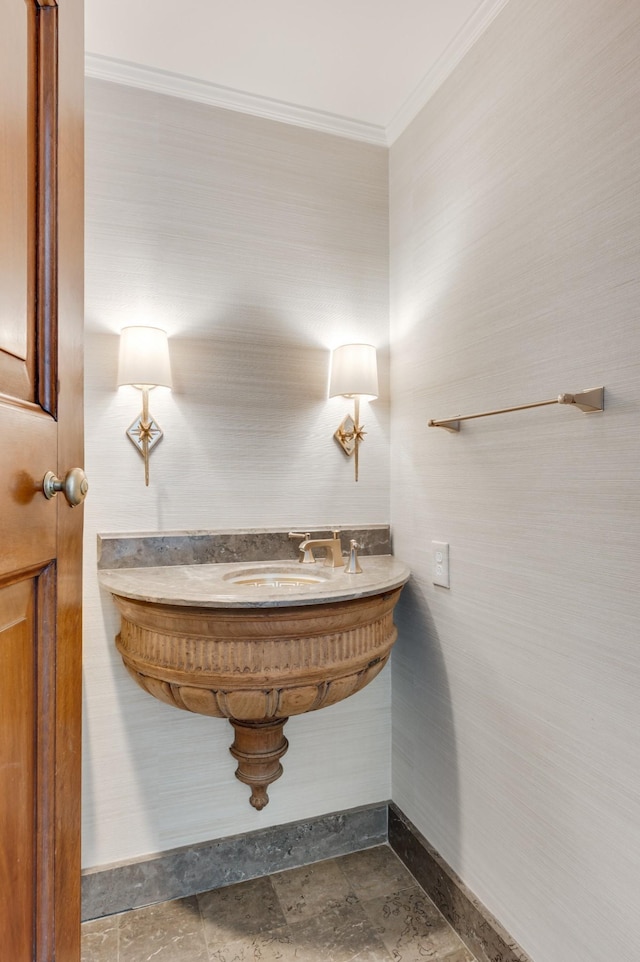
(258, 748)
(256, 666)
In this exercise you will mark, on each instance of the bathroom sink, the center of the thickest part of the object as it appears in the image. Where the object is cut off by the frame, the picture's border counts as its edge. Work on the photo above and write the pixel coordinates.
(278, 576)
(256, 643)
(259, 584)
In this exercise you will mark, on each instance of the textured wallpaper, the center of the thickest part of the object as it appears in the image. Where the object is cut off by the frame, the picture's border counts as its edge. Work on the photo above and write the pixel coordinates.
(259, 247)
(515, 245)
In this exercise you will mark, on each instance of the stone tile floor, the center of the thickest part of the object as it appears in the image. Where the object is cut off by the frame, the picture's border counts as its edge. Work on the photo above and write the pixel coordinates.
(364, 907)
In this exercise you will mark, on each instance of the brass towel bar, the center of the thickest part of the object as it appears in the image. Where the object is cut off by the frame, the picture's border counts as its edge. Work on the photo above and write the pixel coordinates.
(588, 401)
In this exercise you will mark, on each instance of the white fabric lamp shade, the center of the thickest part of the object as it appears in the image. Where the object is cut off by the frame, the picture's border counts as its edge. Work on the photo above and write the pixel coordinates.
(144, 357)
(354, 371)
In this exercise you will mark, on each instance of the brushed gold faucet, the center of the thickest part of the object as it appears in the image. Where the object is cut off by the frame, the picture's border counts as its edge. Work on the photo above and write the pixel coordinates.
(332, 546)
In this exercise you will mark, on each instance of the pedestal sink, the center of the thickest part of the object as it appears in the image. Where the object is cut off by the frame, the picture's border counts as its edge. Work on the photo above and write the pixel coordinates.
(256, 643)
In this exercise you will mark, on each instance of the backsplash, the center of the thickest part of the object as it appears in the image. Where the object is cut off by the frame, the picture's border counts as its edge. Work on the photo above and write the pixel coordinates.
(138, 550)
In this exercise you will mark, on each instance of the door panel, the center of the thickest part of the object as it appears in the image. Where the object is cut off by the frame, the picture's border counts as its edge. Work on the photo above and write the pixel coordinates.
(29, 444)
(17, 768)
(28, 202)
(27, 767)
(17, 200)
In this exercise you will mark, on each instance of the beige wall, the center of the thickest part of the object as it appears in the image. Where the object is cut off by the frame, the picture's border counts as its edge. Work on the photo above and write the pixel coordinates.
(515, 275)
(258, 246)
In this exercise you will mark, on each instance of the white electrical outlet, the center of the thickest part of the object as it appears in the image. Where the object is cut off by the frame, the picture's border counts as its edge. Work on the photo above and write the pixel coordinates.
(440, 554)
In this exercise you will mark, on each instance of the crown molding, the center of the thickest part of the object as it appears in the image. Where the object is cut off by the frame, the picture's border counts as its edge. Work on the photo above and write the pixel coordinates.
(444, 66)
(188, 88)
(200, 91)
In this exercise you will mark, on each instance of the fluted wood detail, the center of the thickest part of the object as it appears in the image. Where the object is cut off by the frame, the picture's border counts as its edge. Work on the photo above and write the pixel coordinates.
(256, 667)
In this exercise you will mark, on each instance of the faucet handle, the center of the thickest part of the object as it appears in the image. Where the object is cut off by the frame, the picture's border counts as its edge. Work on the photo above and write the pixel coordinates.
(353, 565)
(306, 554)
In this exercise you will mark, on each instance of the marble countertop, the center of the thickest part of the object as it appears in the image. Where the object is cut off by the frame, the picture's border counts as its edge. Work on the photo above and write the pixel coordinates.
(214, 585)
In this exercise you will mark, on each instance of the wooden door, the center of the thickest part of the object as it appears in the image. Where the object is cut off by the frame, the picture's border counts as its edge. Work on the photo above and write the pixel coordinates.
(41, 165)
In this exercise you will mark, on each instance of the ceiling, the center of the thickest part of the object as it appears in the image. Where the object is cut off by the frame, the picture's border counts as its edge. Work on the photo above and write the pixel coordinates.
(371, 63)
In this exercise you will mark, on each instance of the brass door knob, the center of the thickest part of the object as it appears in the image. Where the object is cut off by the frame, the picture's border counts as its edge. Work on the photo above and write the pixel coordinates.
(74, 486)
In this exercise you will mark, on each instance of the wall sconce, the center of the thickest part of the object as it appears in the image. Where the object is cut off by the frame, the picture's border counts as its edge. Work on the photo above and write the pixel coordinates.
(354, 373)
(144, 363)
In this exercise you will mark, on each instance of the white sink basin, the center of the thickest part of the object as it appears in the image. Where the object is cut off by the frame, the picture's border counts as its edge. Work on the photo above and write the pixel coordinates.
(278, 576)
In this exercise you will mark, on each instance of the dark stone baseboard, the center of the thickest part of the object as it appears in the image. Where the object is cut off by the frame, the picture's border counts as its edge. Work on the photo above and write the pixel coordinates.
(475, 925)
(209, 865)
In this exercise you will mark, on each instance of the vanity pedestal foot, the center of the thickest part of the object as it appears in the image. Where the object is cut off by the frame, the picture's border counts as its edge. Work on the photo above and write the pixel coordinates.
(258, 748)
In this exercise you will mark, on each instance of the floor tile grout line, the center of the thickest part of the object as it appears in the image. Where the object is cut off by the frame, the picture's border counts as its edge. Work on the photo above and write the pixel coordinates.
(445, 919)
(205, 940)
(274, 889)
